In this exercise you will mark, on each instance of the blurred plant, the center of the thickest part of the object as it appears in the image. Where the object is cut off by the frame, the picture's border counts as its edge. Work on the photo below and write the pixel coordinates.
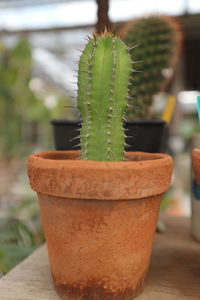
(159, 42)
(18, 104)
(24, 114)
(20, 233)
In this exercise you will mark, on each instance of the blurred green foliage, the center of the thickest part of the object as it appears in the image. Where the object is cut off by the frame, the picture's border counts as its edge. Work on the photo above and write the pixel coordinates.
(20, 233)
(23, 115)
(18, 104)
(24, 125)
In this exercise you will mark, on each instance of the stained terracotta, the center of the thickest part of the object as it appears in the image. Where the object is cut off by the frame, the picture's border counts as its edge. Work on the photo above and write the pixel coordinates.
(99, 220)
(196, 164)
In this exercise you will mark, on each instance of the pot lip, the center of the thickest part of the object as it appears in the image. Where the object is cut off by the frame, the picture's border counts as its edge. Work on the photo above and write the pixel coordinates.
(196, 151)
(52, 174)
(69, 158)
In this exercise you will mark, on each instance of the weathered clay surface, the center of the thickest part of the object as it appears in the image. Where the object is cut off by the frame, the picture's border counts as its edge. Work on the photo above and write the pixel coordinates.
(103, 244)
(99, 249)
(196, 164)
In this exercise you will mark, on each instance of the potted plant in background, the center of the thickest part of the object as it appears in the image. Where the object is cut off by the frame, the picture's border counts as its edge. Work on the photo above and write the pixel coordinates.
(159, 42)
(195, 182)
(99, 206)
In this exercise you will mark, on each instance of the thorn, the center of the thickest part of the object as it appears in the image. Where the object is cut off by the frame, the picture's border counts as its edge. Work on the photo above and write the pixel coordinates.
(75, 146)
(129, 105)
(109, 150)
(109, 141)
(75, 138)
(136, 61)
(133, 47)
(86, 72)
(136, 71)
(127, 145)
(80, 50)
(84, 63)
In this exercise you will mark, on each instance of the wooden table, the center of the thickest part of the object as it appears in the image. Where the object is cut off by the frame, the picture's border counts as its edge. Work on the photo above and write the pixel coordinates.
(174, 272)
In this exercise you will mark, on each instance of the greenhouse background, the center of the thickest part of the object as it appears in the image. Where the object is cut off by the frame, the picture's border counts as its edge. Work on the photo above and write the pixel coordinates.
(39, 50)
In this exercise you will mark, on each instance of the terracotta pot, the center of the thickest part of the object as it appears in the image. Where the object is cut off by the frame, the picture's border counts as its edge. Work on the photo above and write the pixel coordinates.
(99, 220)
(196, 164)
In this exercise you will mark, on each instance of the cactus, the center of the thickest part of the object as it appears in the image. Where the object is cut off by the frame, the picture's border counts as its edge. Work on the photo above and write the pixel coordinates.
(103, 77)
(158, 39)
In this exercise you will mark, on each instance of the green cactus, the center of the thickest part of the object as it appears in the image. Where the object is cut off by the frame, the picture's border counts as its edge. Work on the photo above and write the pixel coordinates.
(103, 77)
(159, 40)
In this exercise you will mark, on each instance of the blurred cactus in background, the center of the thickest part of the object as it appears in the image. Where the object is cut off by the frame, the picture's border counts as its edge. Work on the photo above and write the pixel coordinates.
(158, 40)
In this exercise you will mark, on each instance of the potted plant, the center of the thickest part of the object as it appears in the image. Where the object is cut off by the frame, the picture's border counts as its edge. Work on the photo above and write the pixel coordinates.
(159, 41)
(99, 206)
(195, 176)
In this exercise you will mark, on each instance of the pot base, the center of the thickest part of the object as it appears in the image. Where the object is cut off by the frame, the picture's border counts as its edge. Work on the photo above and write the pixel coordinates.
(97, 292)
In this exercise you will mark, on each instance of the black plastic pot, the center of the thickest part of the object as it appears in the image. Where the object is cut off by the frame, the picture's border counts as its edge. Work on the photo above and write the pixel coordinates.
(142, 135)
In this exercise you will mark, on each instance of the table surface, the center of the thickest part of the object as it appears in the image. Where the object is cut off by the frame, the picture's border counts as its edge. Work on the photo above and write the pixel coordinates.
(174, 272)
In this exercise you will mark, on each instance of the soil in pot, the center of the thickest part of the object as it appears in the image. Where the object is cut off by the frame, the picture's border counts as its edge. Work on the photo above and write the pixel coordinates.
(99, 220)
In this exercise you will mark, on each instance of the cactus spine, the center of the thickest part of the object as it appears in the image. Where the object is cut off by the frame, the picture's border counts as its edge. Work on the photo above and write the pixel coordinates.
(103, 77)
(159, 41)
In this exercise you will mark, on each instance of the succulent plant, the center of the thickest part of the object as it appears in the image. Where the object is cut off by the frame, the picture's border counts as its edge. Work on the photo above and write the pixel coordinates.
(103, 77)
(159, 40)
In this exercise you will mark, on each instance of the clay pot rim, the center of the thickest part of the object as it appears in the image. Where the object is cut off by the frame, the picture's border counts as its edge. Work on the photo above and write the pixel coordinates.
(68, 158)
(78, 179)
